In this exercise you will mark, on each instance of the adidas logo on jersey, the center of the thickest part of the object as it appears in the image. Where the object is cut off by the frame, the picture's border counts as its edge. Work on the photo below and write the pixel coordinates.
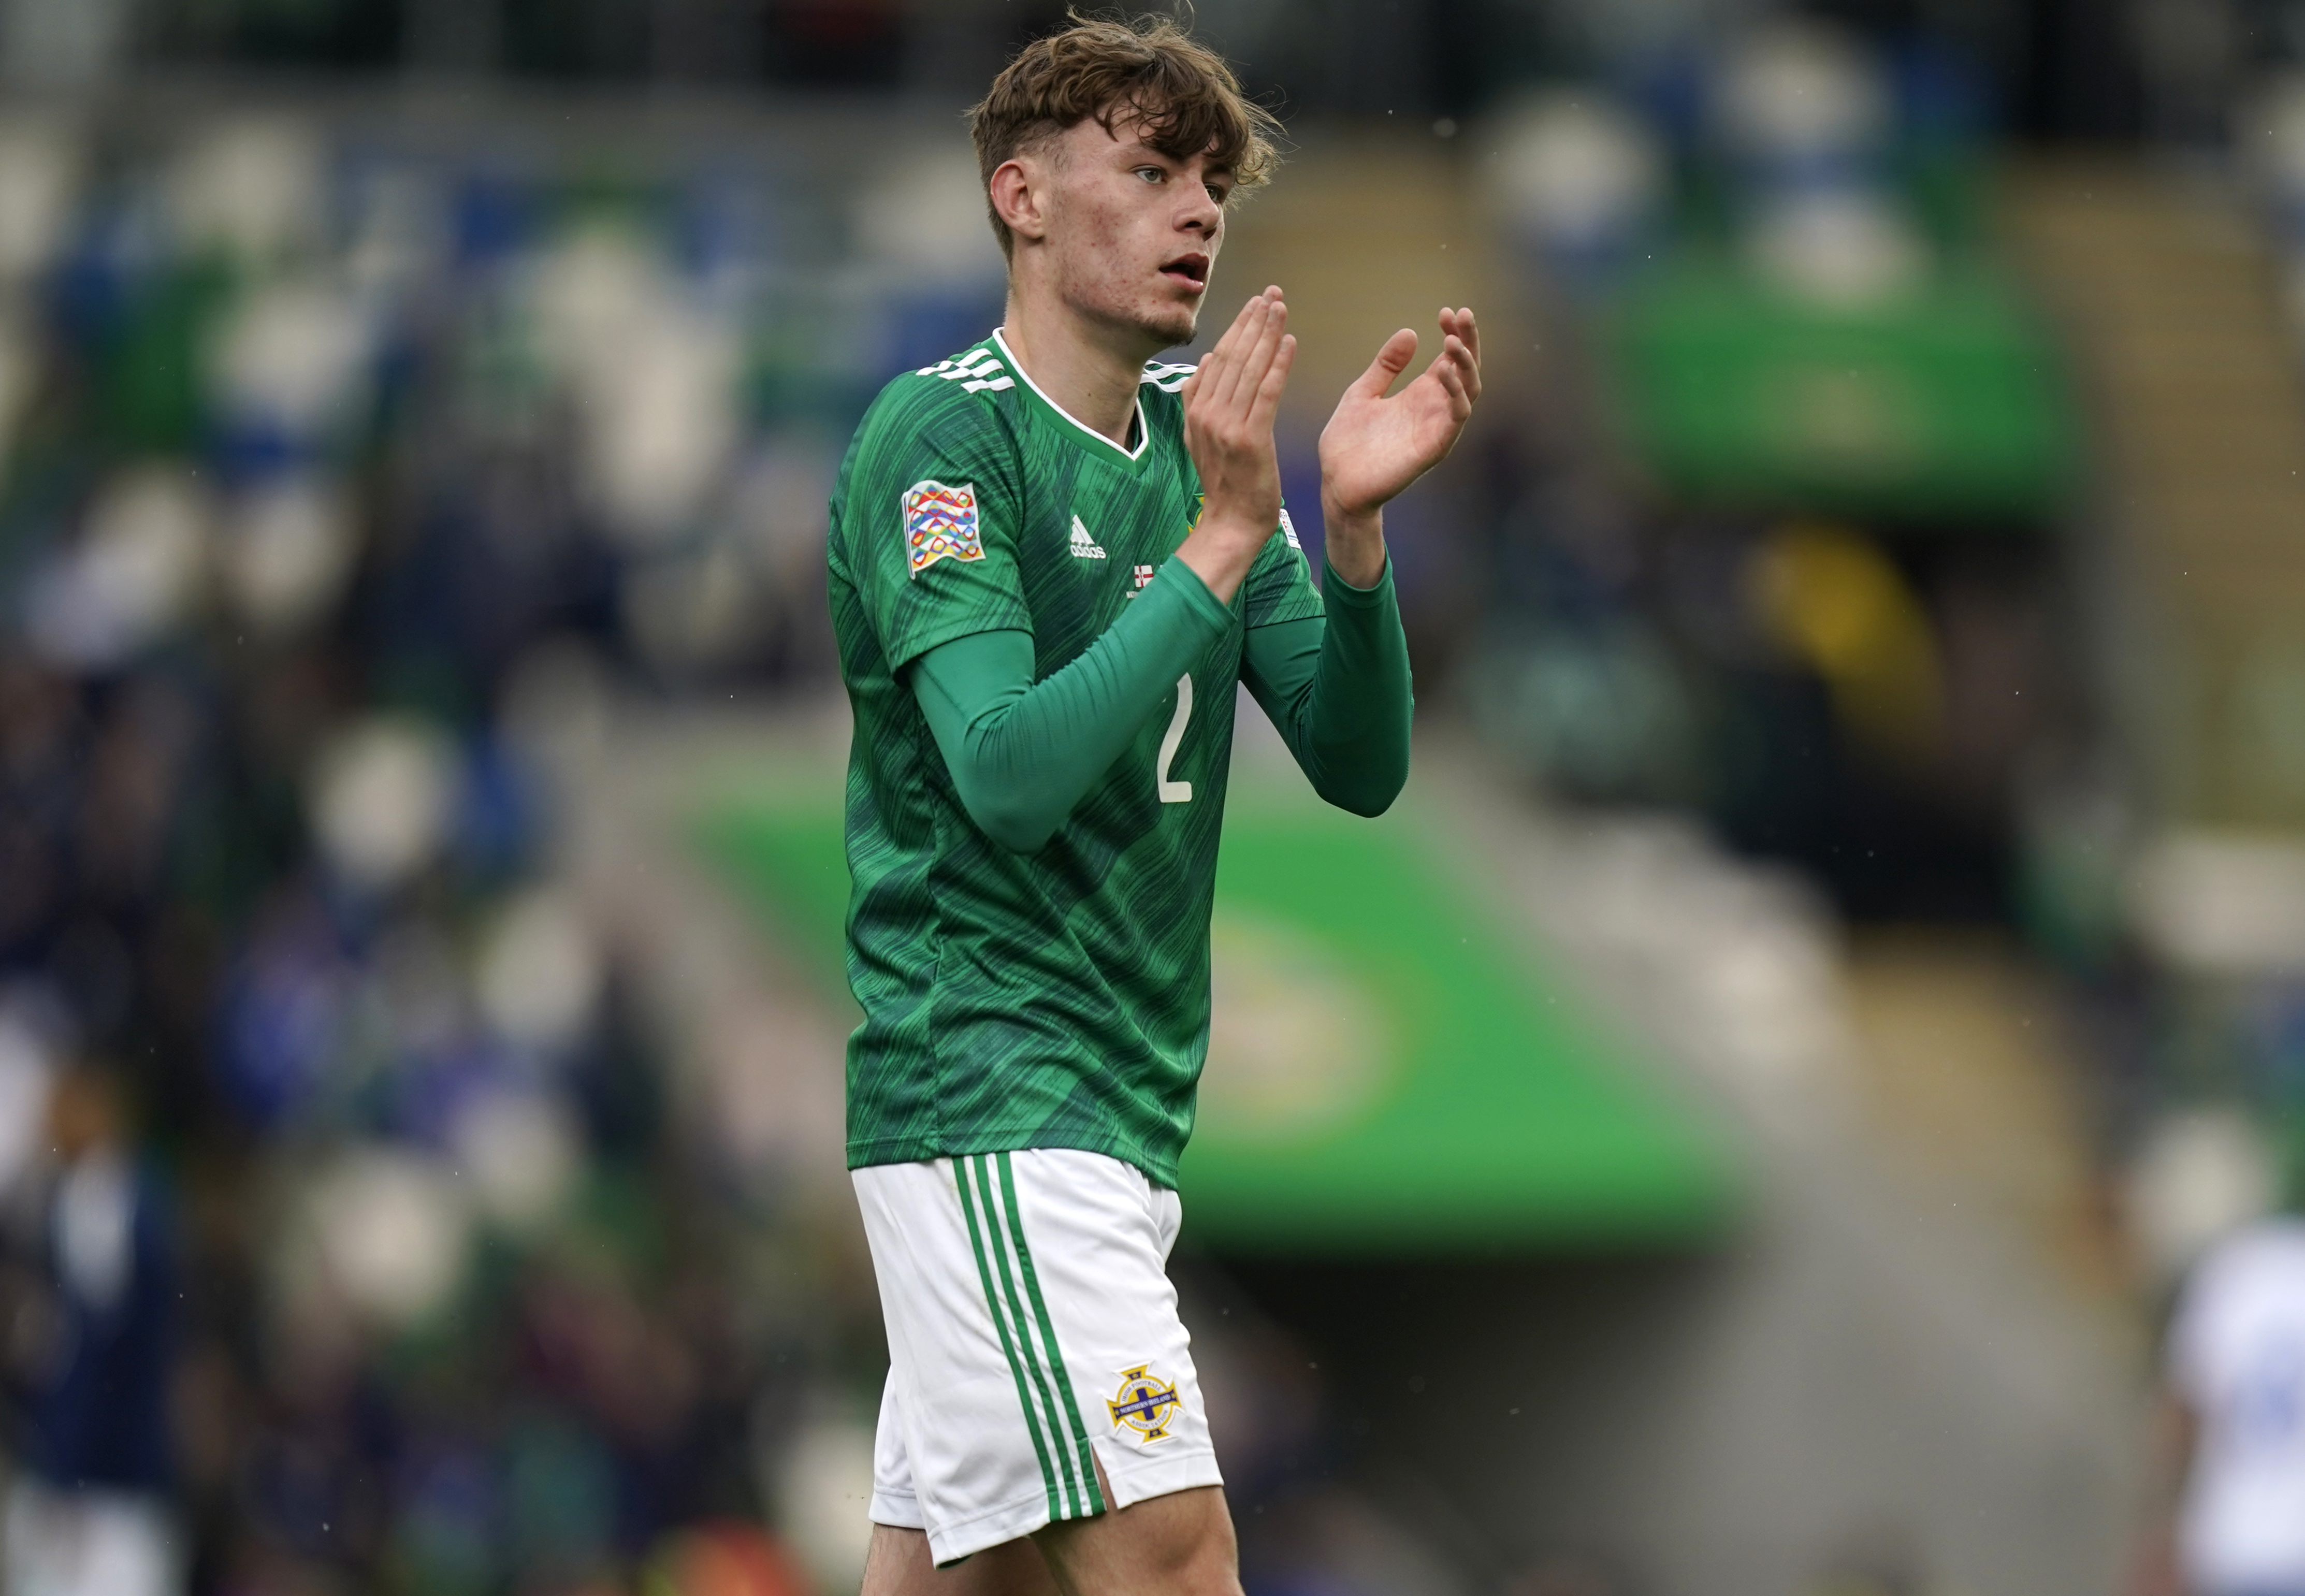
(1085, 547)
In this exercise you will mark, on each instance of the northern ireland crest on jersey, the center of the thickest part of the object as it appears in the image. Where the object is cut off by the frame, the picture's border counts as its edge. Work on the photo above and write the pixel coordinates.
(1145, 1403)
(941, 525)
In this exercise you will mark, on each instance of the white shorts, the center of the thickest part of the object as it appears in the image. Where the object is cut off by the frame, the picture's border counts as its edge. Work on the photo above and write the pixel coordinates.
(1031, 1324)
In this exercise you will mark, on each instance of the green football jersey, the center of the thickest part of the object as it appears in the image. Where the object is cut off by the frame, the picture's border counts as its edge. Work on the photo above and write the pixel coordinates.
(1057, 998)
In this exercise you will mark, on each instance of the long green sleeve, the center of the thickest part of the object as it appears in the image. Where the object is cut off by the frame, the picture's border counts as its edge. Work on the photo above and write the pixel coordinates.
(1022, 754)
(1336, 686)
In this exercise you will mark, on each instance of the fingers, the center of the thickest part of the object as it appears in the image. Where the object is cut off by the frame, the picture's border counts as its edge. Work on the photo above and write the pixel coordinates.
(1391, 362)
(1259, 338)
(1208, 376)
(1456, 370)
(1466, 364)
(1266, 326)
(1257, 363)
(1452, 383)
(1225, 365)
(1276, 379)
(1460, 350)
(1471, 334)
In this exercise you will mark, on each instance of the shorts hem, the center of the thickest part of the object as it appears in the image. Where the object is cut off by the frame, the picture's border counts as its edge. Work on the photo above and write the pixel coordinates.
(949, 1543)
(897, 1510)
(1135, 1477)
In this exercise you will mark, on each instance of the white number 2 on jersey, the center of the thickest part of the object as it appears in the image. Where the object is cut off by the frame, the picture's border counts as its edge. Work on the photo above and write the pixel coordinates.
(1176, 792)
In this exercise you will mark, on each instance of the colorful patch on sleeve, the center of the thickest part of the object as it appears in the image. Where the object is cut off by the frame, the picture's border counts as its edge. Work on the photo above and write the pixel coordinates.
(940, 523)
(1288, 530)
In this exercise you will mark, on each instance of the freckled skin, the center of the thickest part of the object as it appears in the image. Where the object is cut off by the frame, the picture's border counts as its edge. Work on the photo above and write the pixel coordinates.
(1118, 213)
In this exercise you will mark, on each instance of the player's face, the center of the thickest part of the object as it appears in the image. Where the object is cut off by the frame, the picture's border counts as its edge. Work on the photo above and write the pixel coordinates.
(1133, 234)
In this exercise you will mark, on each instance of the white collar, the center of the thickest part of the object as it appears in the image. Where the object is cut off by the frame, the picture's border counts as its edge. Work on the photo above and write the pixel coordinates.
(1144, 432)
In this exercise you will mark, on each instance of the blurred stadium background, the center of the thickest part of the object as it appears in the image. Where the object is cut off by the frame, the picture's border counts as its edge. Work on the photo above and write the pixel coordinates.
(1842, 954)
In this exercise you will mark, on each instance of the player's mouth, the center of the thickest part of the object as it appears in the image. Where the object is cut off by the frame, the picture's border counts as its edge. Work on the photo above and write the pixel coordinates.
(1190, 271)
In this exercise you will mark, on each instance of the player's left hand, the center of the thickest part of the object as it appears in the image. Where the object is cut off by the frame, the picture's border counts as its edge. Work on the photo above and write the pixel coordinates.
(1374, 447)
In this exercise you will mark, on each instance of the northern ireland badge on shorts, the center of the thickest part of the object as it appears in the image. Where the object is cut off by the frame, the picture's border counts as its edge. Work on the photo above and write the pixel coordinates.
(1145, 1403)
(941, 525)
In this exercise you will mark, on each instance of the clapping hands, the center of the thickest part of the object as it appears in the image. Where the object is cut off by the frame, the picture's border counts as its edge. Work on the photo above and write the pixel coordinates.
(1373, 446)
(1372, 449)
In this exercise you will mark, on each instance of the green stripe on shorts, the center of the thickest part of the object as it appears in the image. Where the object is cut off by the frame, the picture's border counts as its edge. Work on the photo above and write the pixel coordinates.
(1008, 1272)
(1077, 1431)
(1008, 1346)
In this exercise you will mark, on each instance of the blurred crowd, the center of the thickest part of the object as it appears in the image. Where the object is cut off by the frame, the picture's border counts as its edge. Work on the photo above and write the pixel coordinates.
(1864, 687)
(354, 1241)
(1903, 688)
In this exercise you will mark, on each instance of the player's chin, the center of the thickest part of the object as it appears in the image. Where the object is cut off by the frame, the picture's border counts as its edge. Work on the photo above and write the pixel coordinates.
(1172, 324)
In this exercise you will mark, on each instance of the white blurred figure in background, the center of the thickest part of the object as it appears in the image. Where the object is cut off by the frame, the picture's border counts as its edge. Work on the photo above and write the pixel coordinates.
(63, 43)
(90, 1514)
(2269, 130)
(248, 191)
(2229, 1515)
(654, 372)
(1806, 112)
(1578, 180)
(26, 1073)
(41, 164)
(136, 575)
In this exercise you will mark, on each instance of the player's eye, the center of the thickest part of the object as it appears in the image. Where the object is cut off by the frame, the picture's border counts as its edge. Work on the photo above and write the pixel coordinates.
(1216, 191)
(1152, 173)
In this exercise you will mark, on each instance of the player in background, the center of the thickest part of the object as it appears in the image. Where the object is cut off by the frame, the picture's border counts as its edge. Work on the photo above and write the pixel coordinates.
(1052, 560)
(2228, 1506)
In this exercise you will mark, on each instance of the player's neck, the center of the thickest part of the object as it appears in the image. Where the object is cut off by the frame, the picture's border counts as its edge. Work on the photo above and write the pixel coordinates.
(1090, 372)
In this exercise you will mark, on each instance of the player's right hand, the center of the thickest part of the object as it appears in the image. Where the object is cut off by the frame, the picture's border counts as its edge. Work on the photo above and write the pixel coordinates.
(1229, 402)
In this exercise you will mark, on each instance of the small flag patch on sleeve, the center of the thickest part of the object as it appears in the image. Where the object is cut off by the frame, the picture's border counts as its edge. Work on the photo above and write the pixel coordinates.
(940, 523)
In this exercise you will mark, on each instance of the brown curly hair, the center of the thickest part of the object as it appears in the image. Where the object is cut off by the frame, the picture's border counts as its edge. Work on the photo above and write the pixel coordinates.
(1183, 98)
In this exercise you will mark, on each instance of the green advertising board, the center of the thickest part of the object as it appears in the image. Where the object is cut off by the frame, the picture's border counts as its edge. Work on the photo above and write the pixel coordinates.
(1388, 1071)
(1945, 403)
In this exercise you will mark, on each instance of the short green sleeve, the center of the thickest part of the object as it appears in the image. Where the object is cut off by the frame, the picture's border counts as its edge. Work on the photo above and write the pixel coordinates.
(1279, 586)
(928, 521)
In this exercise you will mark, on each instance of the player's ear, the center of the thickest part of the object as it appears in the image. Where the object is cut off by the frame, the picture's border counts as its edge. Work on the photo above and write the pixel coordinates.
(1020, 197)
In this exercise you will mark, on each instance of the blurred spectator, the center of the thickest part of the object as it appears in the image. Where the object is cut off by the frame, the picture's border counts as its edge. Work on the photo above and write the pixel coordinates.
(91, 1516)
(63, 42)
(2228, 1518)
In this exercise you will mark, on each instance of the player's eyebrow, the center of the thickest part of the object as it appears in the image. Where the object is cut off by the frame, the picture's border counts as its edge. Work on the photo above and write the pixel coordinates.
(1136, 148)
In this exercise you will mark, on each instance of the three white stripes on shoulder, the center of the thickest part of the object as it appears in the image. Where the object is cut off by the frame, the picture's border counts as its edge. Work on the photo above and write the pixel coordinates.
(975, 371)
(976, 367)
